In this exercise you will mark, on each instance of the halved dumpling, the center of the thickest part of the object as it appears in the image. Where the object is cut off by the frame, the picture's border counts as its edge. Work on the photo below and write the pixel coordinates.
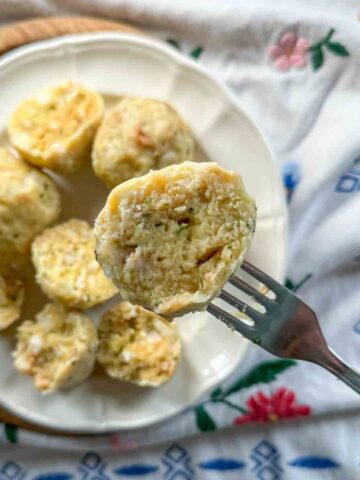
(170, 239)
(66, 268)
(57, 349)
(56, 127)
(138, 346)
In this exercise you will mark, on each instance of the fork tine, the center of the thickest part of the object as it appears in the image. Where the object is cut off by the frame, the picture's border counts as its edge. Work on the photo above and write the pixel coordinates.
(237, 324)
(240, 305)
(262, 277)
(251, 291)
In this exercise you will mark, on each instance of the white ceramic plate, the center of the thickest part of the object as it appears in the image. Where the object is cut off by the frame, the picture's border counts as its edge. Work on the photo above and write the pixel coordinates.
(117, 64)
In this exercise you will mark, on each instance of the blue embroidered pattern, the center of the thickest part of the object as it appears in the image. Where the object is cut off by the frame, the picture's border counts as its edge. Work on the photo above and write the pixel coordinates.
(356, 327)
(291, 178)
(222, 464)
(136, 470)
(54, 476)
(12, 471)
(92, 467)
(318, 463)
(350, 181)
(177, 463)
(266, 460)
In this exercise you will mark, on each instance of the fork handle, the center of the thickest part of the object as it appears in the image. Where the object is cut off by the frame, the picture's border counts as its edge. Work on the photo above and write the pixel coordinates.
(339, 368)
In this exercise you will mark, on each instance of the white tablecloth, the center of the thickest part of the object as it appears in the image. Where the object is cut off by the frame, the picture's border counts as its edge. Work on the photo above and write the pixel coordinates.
(295, 67)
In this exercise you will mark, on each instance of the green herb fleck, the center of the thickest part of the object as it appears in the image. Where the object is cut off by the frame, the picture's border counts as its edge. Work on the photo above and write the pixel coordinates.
(183, 227)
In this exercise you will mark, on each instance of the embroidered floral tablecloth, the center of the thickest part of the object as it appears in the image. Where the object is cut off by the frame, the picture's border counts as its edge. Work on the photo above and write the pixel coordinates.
(295, 67)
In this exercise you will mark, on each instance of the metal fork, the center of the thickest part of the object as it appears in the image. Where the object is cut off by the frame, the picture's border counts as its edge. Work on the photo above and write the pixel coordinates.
(287, 328)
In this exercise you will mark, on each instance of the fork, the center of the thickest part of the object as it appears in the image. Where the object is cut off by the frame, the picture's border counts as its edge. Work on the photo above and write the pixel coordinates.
(288, 327)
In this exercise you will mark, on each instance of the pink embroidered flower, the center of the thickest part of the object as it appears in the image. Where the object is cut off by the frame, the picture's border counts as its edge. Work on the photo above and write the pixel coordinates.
(289, 52)
(282, 404)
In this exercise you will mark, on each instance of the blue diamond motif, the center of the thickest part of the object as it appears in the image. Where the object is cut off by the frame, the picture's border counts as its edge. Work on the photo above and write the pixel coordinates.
(10, 470)
(264, 449)
(266, 461)
(176, 453)
(91, 460)
(177, 463)
(268, 473)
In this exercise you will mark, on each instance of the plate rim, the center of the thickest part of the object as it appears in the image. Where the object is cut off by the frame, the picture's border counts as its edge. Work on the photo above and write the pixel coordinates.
(21, 53)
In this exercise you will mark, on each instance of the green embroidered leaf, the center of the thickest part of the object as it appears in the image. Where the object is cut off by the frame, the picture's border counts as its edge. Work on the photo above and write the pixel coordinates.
(337, 49)
(216, 393)
(265, 372)
(196, 53)
(294, 287)
(328, 36)
(10, 432)
(317, 58)
(314, 47)
(173, 42)
(203, 420)
(232, 405)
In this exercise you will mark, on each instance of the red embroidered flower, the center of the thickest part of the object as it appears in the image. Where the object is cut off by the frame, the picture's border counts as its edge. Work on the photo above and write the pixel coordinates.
(281, 404)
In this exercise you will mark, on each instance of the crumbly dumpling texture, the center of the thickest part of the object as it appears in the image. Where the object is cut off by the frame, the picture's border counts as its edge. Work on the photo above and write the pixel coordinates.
(11, 296)
(56, 127)
(66, 268)
(170, 239)
(138, 346)
(139, 135)
(57, 349)
(29, 202)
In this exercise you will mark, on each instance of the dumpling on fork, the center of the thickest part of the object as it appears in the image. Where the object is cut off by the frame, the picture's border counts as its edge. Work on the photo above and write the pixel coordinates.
(170, 239)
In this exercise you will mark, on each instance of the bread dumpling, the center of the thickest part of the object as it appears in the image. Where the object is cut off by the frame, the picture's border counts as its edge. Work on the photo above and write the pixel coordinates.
(11, 296)
(138, 346)
(55, 128)
(66, 268)
(57, 349)
(139, 135)
(29, 202)
(169, 240)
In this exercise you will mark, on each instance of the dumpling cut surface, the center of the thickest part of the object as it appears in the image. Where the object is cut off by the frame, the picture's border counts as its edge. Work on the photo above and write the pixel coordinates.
(138, 346)
(29, 202)
(57, 349)
(56, 127)
(66, 268)
(170, 239)
(11, 296)
(139, 135)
